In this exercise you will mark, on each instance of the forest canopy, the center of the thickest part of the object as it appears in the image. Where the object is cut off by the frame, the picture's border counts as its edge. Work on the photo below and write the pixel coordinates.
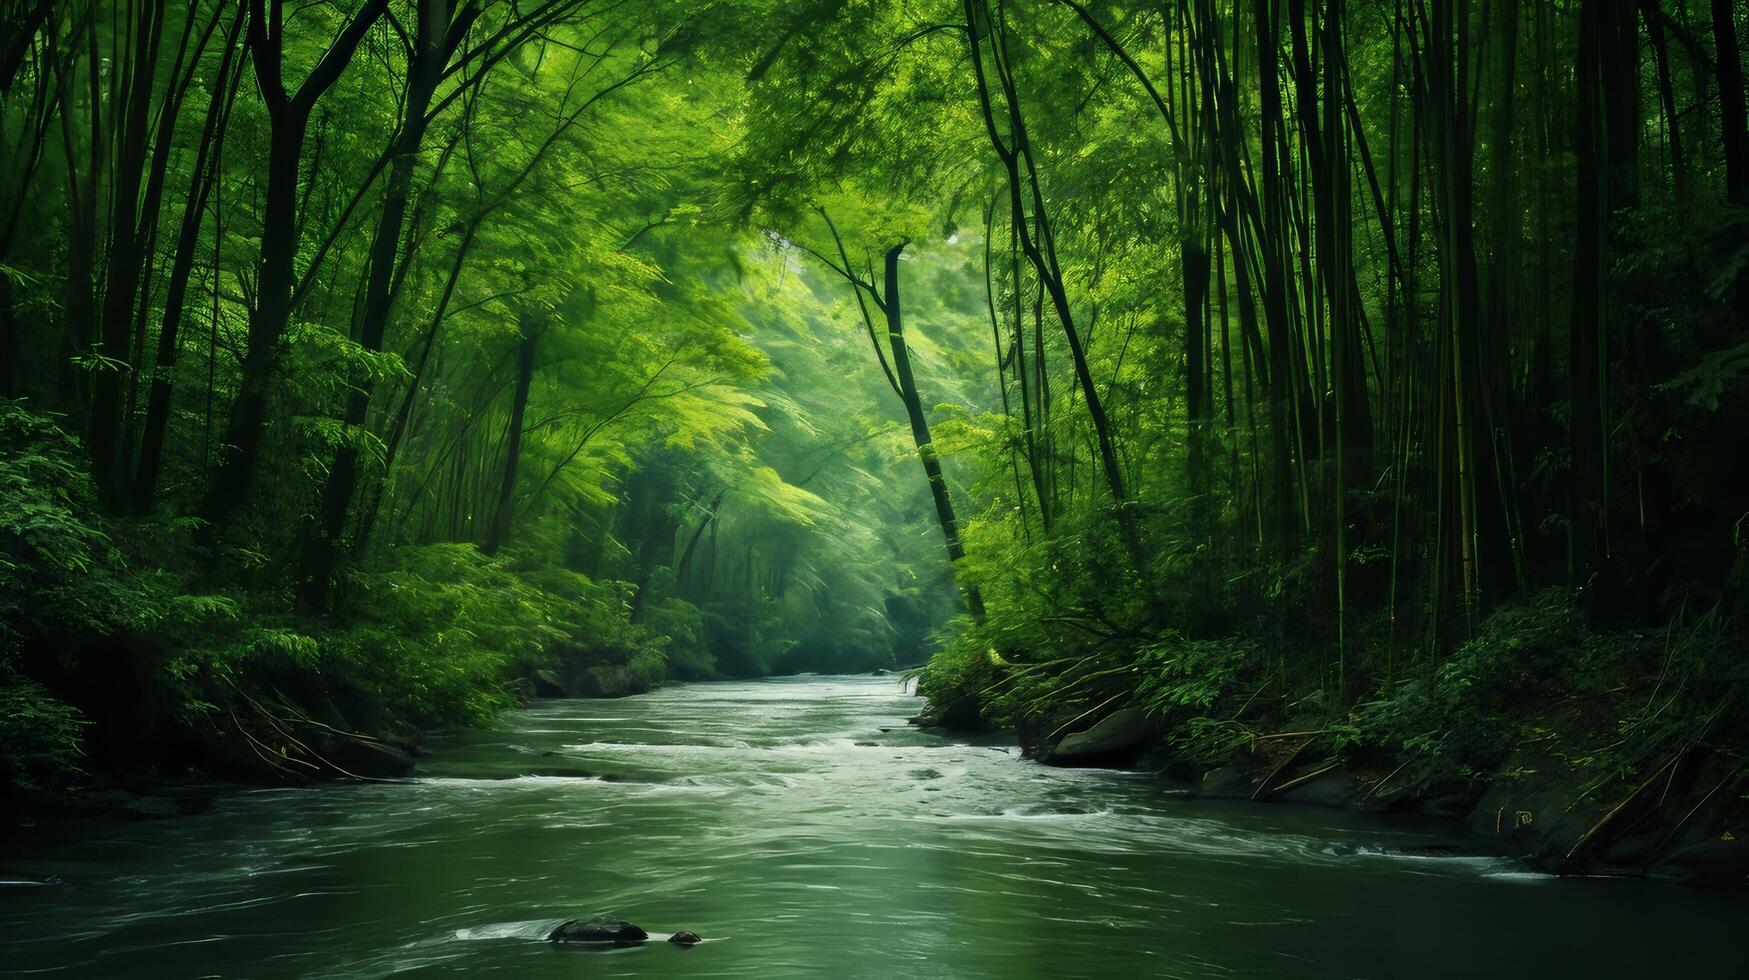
(1368, 367)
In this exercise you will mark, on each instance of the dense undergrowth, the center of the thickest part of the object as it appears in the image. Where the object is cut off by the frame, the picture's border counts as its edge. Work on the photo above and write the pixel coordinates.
(118, 648)
(1237, 663)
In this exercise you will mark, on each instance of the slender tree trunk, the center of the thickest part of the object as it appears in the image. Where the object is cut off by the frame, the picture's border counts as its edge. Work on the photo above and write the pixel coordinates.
(1733, 127)
(501, 515)
(126, 255)
(322, 547)
(901, 359)
(205, 176)
(1585, 356)
(276, 276)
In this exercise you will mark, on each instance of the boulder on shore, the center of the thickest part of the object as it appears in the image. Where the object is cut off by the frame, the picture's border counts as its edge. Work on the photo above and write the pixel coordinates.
(600, 929)
(548, 685)
(1227, 782)
(1119, 732)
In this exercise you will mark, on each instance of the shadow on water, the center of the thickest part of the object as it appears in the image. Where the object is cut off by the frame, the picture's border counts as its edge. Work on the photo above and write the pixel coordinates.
(803, 830)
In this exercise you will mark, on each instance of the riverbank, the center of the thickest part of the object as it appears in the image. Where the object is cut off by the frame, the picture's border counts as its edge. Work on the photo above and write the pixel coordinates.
(1577, 750)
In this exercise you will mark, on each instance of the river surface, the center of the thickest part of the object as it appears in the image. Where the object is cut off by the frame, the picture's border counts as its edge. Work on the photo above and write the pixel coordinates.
(803, 830)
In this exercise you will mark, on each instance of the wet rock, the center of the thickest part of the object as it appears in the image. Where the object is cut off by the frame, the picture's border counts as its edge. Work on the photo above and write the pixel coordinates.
(1428, 850)
(1719, 861)
(119, 804)
(869, 744)
(958, 715)
(1635, 849)
(1117, 733)
(1540, 819)
(1227, 782)
(1333, 788)
(881, 672)
(612, 681)
(547, 685)
(600, 929)
(685, 939)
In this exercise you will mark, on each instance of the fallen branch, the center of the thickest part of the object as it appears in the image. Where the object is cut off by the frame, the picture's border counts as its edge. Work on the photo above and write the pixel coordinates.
(1262, 787)
(1301, 780)
(1585, 838)
(1381, 783)
(1084, 714)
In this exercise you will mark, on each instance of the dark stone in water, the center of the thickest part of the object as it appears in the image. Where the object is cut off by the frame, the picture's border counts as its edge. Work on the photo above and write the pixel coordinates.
(685, 939)
(600, 929)
(868, 744)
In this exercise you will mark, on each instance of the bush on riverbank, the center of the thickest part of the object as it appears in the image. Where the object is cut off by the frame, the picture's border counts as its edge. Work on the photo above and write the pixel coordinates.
(1243, 669)
(121, 649)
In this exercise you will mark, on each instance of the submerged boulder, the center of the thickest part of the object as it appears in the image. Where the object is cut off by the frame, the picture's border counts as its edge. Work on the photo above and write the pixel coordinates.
(685, 938)
(600, 929)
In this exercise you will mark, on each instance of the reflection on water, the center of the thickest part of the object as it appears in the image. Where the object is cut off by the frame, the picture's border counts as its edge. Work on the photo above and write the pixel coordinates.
(804, 830)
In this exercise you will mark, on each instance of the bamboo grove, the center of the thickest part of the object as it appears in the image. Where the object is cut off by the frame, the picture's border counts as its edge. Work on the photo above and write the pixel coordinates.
(1324, 332)
(366, 360)
(1251, 358)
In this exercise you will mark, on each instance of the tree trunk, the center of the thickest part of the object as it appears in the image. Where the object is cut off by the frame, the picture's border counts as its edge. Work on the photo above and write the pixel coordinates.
(321, 548)
(500, 530)
(109, 463)
(205, 175)
(901, 359)
(1585, 489)
(1733, 128)
(288, 117)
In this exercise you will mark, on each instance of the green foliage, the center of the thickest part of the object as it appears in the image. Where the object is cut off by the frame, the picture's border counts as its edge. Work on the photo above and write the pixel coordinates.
(606, 404)
(1457, 725)
(39, 737)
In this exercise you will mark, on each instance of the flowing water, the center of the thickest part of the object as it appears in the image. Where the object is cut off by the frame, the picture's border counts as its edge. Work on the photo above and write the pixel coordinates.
(805, 831)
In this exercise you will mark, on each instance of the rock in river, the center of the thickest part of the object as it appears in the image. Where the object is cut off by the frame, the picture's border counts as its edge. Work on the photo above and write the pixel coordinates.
(600, 929)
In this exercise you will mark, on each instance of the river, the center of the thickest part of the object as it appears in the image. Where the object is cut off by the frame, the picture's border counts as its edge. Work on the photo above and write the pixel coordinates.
(805, 831)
